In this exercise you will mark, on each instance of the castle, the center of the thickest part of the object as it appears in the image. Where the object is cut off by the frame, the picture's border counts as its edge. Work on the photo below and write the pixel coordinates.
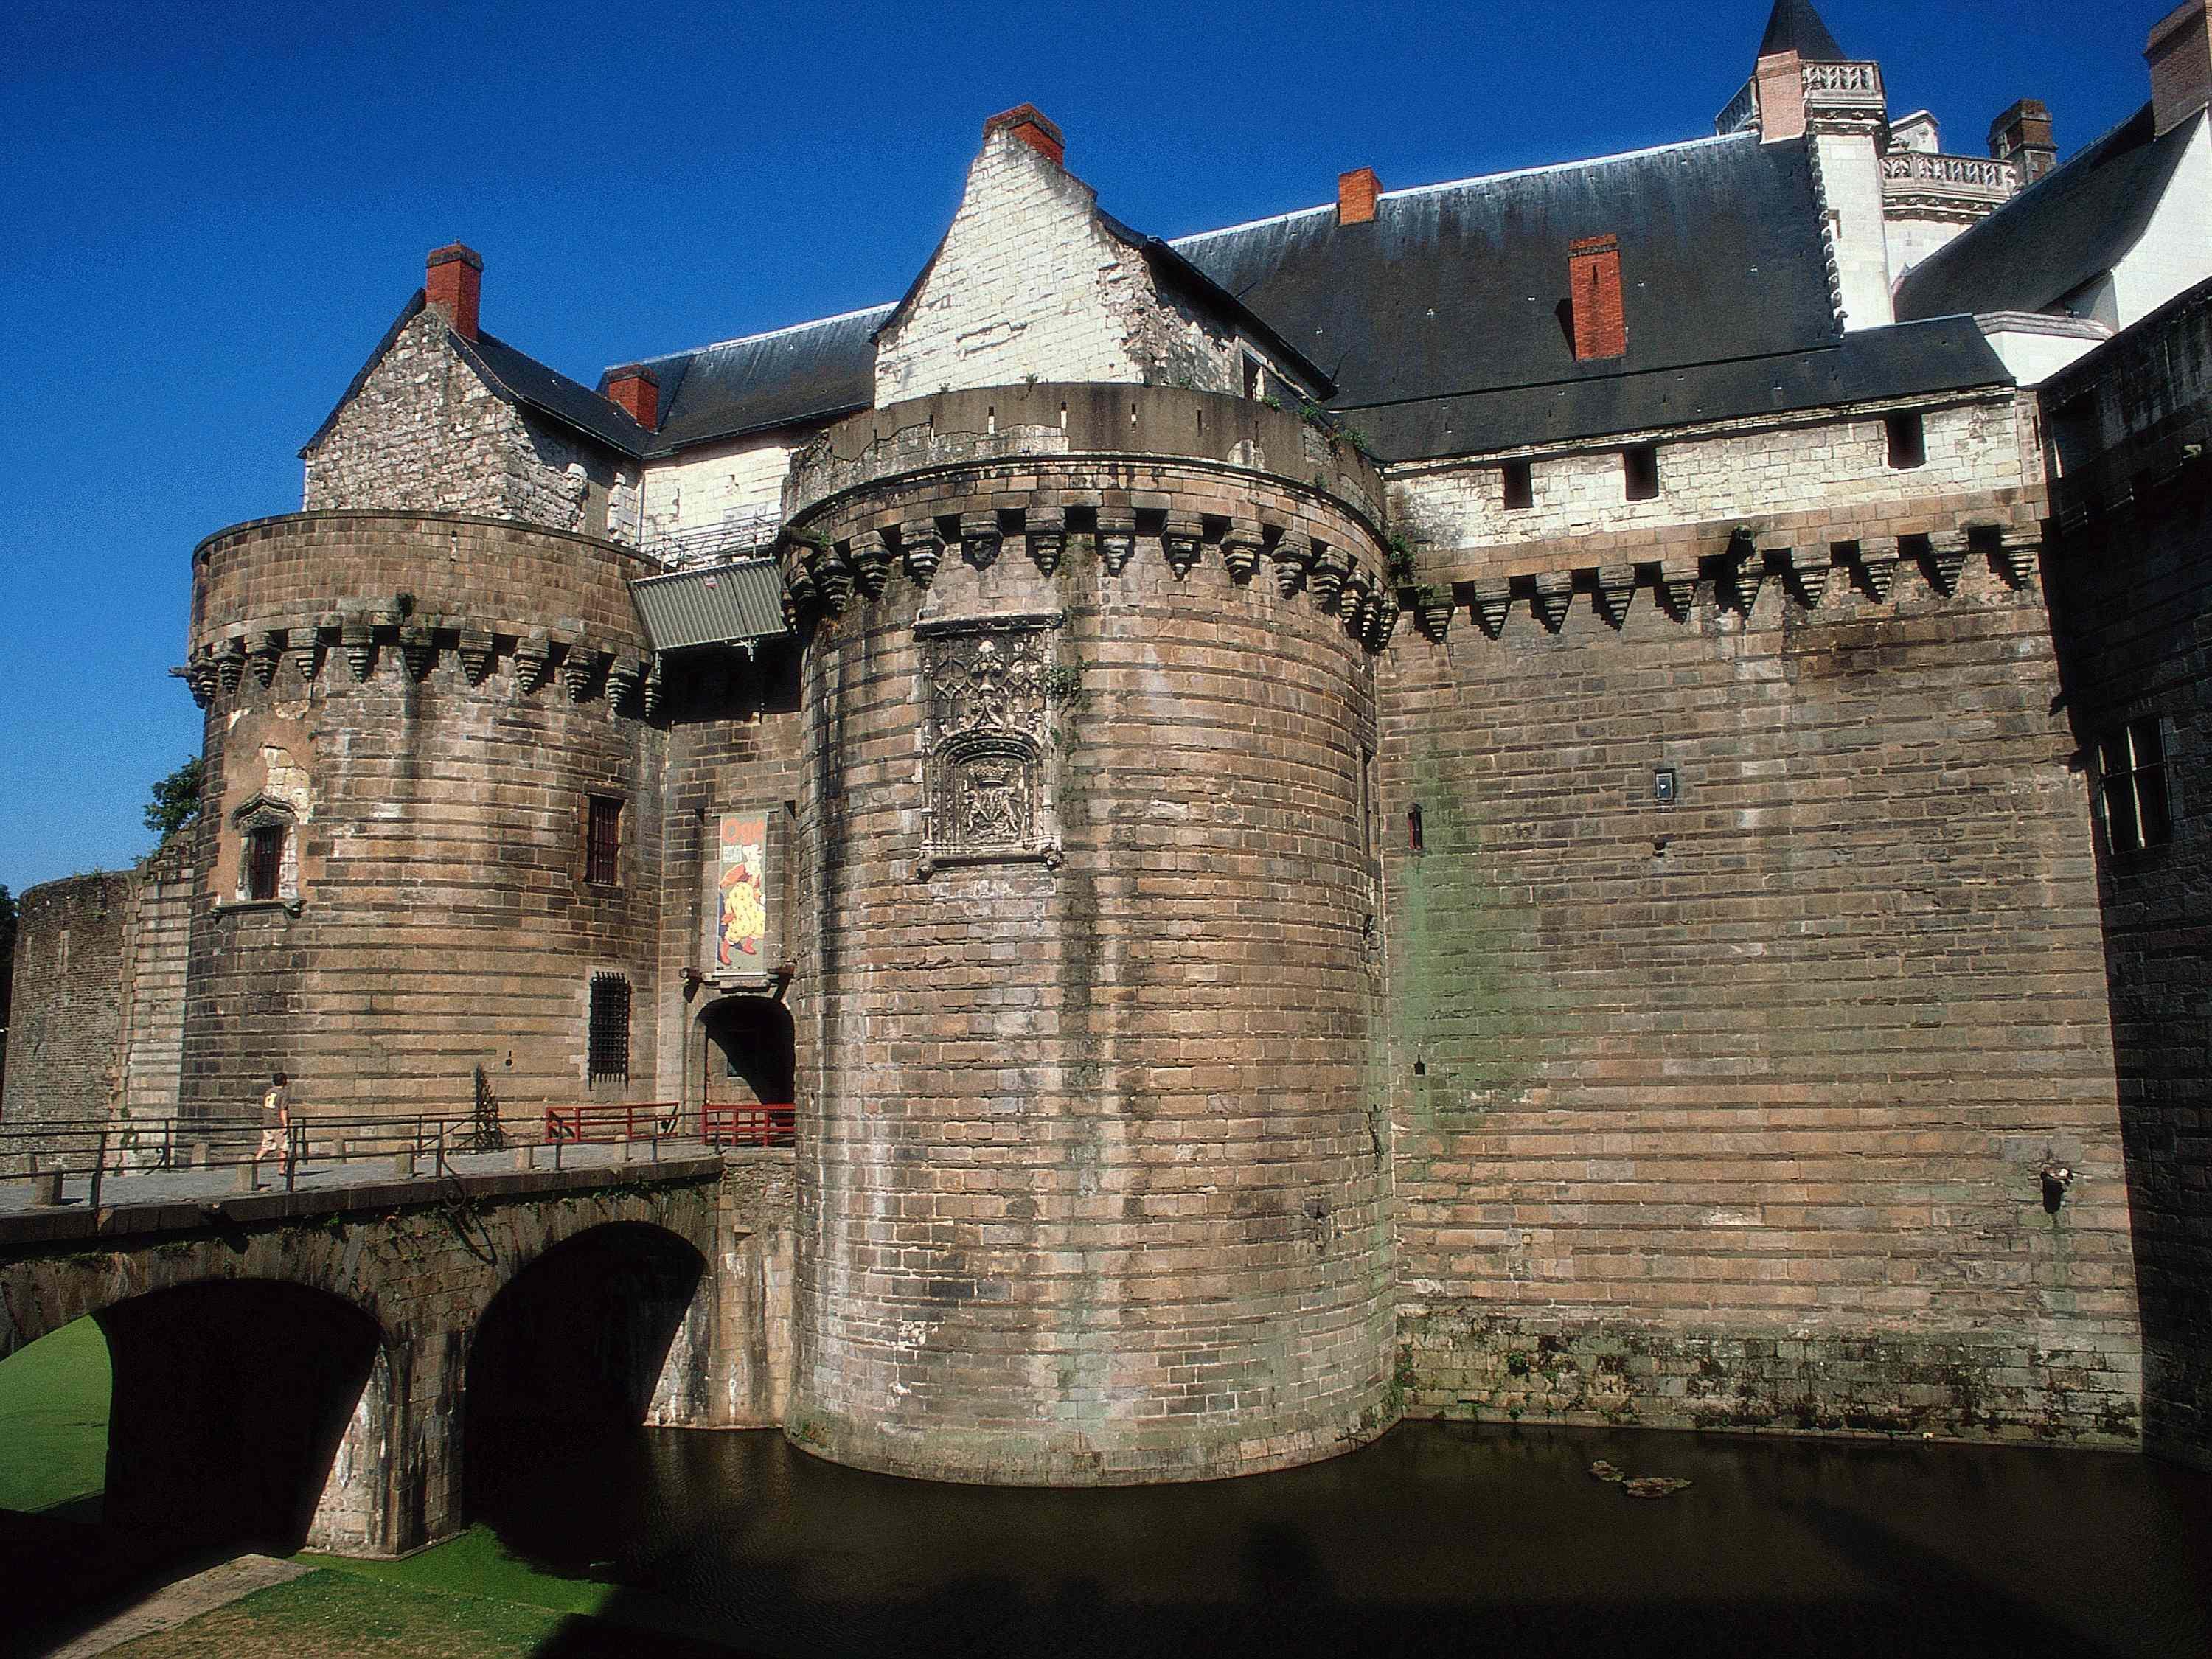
(1478, 800)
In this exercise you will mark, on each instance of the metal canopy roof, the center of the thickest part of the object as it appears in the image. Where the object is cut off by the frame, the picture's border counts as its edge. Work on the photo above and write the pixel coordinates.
(736, 604)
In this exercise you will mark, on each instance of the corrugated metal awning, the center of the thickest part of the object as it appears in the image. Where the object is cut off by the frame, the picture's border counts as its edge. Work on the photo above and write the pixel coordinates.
(733, 604)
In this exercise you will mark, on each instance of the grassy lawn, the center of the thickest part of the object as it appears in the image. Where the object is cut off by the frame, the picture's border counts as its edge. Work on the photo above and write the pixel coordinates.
(476, 1563)
(53, 1420)
(331, 1614)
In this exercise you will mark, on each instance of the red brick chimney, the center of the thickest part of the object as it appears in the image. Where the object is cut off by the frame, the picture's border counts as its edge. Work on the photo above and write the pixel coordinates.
(1601, 329)
(1780, 79)
(2024, 136)
(1029, 124)
(635, 390)
(454, 283)
(1356, 191)
(2180, 54)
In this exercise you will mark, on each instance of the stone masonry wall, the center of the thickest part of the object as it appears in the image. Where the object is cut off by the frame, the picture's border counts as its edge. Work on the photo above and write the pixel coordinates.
(1090, 1190)
(159, 948)
(721, 485)
(1731, 1111)
(65, 1026)
(1744, 474)
(438, 764)
(2132, 599)
(1028, 284)
(425, 433)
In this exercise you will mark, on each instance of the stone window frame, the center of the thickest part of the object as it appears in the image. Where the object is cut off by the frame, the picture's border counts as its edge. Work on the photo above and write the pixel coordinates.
(261, 815)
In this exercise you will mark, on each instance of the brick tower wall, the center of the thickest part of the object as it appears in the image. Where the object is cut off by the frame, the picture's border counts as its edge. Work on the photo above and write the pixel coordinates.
(443, 696)
(1090, 1187)
(1731, 1112)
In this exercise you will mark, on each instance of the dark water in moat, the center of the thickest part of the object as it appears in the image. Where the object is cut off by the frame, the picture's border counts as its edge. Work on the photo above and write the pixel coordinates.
(1442, 1539)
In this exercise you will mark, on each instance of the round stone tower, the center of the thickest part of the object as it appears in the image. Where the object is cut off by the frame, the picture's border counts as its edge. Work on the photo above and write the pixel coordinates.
(1092, 1162)
(415, 723)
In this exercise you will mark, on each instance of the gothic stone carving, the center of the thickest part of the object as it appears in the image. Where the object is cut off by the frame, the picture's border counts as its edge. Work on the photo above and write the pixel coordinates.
(986, 688)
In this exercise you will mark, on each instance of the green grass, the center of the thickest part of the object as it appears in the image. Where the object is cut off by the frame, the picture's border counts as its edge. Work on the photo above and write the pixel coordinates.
(476, 1563)
(53, 1420)
(332, 1614)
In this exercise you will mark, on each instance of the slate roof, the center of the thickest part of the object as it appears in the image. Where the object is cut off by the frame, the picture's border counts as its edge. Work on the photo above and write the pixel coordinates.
(2067, 228)
(1796, 27)
(811, 372)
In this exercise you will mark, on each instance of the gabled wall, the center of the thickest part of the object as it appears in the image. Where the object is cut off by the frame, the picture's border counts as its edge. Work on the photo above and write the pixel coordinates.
(425, 432)
(1030, 285)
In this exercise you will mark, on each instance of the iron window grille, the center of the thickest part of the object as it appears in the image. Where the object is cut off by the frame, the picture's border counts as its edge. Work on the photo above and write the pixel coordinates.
(2132, 801)
(610, 1028)
(264, 861)
(603, 842)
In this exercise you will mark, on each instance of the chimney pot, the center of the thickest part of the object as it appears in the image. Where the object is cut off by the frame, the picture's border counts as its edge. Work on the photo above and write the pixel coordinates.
(1030, 123)
(452, 281)
(1599, 325)
(1356, 191)
(635, 390)
(2180, 56)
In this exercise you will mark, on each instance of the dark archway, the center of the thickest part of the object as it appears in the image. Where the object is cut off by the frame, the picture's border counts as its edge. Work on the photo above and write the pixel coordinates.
(226, 1404)
(752, 1053)
(560, 1376)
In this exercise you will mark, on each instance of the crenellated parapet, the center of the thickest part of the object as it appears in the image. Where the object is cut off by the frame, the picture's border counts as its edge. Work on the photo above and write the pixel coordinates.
(348, 598)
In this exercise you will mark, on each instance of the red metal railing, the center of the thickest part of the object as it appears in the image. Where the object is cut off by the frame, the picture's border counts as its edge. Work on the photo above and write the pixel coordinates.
(594, 1122)
(748, 1126)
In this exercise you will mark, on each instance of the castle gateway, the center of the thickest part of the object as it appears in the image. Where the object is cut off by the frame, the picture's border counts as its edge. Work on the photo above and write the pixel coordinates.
(1458, 803)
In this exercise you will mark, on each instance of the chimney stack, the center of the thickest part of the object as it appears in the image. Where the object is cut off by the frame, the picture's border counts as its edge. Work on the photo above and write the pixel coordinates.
(1601, 328)
(1356, 191)
(2180, 54)
(1029, 124)
(1781, 78)
(2022, 135)
(635, 390)
(454, 283)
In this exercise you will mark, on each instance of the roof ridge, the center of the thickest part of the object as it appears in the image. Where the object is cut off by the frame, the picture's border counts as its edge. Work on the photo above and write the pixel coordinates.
(1478, 179)
(752, 339)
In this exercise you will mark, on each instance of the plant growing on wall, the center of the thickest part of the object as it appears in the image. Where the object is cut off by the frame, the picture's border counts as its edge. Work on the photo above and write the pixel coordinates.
(176, 799)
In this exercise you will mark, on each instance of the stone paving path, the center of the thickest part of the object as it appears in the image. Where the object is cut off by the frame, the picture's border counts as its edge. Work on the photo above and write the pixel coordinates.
(188, 1598)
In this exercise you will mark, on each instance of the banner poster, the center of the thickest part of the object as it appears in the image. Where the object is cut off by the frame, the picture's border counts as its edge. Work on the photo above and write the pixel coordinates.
(741, 886)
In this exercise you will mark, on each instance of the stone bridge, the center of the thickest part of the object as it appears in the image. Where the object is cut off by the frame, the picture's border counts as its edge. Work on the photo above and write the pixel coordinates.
(312, 1365)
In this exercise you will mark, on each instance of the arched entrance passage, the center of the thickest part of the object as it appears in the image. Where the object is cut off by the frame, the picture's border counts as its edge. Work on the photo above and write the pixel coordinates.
(750, 1058)
(564, 1366)
(224, 1404)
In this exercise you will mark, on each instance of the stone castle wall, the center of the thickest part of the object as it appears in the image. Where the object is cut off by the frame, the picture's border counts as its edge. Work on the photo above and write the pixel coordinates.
(2133, 603)
(160, 952)
(65, 1025)
(1089, 1187)
(433, 701)
(1731, 1111)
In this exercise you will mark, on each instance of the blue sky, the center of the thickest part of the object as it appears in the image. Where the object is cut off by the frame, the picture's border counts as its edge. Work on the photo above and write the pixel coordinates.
(213, 210)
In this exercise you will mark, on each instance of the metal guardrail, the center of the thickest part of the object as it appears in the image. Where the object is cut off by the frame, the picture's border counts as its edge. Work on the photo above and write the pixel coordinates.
(53, 1155)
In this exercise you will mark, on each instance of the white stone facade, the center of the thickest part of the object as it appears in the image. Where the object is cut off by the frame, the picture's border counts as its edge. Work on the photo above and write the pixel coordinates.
(732, 488)
(1736, 473)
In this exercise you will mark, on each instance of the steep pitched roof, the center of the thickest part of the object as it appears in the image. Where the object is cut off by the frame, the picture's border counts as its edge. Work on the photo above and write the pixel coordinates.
(2068, 228)
(1796, 27)
(788, 377)
(517, 377)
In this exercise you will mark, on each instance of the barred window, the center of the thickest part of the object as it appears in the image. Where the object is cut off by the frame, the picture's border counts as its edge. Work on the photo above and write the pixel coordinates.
(2131, 789)
(265, 860)
(603, 842)
(609, 1027)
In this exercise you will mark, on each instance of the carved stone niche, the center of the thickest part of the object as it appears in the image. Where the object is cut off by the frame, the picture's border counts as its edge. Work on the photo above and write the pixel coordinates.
(986, 683)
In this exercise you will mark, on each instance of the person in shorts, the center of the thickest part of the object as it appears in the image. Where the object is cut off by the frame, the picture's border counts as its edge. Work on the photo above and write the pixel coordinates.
(276, 1118)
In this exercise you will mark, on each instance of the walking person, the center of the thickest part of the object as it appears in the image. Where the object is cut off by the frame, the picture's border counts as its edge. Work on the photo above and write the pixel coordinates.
(276, 1123)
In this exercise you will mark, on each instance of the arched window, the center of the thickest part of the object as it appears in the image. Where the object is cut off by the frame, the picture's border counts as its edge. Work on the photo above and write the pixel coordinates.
(267, 852)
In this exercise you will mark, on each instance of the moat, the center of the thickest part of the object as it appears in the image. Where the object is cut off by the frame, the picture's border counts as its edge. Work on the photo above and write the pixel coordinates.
(1440, 1539)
